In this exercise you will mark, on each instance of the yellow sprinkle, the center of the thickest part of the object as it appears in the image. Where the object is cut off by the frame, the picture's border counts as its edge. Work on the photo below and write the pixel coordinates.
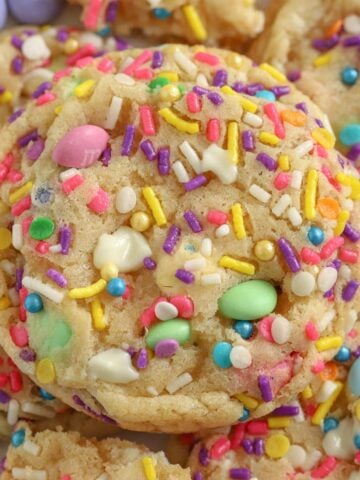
(284, 163)
(4, 303)
(269, 138)
(89, 291)
(6, 97)
(307, 393)
(149, 468)
(97, 314)
(155, 206)
(277, 445)
(195, 22)
(237, 265)
(322, 60)
(109, 271)
(45, 371)
(249, 402)
(171, 76)
(228, 90)
(58, 109)
(140, 221)
(310, 194)
(325, 138)
(85, 89)
(350, 181)
(327, 343)
(5, 238)
(177, 122)
(246, 104)
(238, 221)
(357, 410)
(233, 141)
(324, 408)
(274, 72)
(278, 422)
(343, 217)
(20, 192)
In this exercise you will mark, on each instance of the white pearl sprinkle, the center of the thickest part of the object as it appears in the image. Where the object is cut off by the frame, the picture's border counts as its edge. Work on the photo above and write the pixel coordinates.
(327, 278)
(280, 329)
(302, 284)
(165, 311)
(125, 200)
(240, 357)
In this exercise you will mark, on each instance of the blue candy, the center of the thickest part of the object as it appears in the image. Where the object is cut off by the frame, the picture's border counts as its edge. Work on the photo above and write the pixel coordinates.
(37, 12)
(343, 354)
(244, 328)
(3, 13)
(349, 75)
(356, 440)
(316, 235)
(18, 437)
(116, 287)
(330, 423)
(33, 303)
(354, 378)
(245, 415)
(45, 395)
(350, 134)
(266, 94)
(221, 354)
(161, 13)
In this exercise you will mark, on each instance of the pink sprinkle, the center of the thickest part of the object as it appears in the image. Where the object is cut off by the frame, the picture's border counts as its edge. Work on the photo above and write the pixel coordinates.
(84, 62)
(331, 246)
(325, 468)
(327, 173)
(92, 14)
(144, 57)
(42, 247)
(143, 74)
(106, 65)
(237, 435)
(147, 120)
(9, 159)
(318, 366)
(311, 331)
(72, 184)
(271, 111)
(220, 448)
(100, 203)
(19, 335)
(213, 130)
(128, 292)
(184, 305)
(14, 176)
(264, 327)
(217, 217)
(21, 206)
(26, 224)
(46, 98)
(257, 427)
(193, 102)
(309, 257)
(207, 58)
(357, 458)
(282, 180)
(348, 256)
(353, 333)
(148, 317)
(87, 50)
(320, 151)
(66, 72)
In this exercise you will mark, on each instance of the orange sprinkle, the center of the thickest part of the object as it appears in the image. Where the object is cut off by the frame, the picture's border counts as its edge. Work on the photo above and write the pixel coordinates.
(334, 28)
(329, 208)
(298, 119)
(330, 372)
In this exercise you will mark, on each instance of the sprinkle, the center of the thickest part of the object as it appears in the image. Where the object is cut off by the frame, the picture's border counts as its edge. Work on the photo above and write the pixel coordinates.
(267, 161)
(252, 120)
(206, 247)
(57, 277)
(211, 279)
(282, 180)
(325, 138)
(185, 276)
(88, 291)
(181, 125)
(349, 290)
(289, 254)
(148, 149)
(348, 256)
(149, 263)
(328, 343)
(180, 172)
(65, 239)
(296, 179)
(97, 315)
(322, 60)
(220, 78)
(171, 239)
(195, 23)
(193, 221)
(34, 284)
(222, 231)
(310, 194)
(149, 468)
(248, 141)
(193, 102)
(325, 468)
(13, 413)
(342, 218)
(185, 63)
(195, 182)
(237, 265)
(351, 233)
(325, 407)
(207, 58)
(259, 193)
(331, 246)
(179, 383)
(273, 72)
(278, 423)
(144, 57)
(195, 264)
(26, 474)
(246, 104)
(164, 161)
(213, 130)
(158, 59)
(269, 138)
(20, 193)
(303, 149)
(265, 388)
(128, 140)
(147, 120)
(113, 112)
(142, 360)
(281, 205)
(238, 221)
(191, 156)
(155, 206)
(85, 89)
(233, 141)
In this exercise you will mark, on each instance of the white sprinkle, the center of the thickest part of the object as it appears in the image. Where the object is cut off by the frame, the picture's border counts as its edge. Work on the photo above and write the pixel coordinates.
(296, 179)
(125, 200)
(206, 247)
(185, 63)
(17, 236)
(179, 382)
(28, 474)
(49, 292)
(345, 272)
(300, 417)
(201, 80)
(13, 412)
(126, 62)
(259, 193)
(67, 174)
(252, 120)
(165, 311)
(302, 284)
(211, 279)
(294, 217)
(124, 79)
(281, 205)
(14, 297)
(350, 320)
(326, 319)
(180, 172)
(327, 278)
(312, 459)
(352, 24)
(191, 156)
(152, 391)
(296, 456)
(7, 266)
(113, 112)
(240, 357)
(222, 231)
(303, 149)
(37, 409)
(93, 39)
(195, 264)
(280, 329)
(35, 48)
(104, 476)
(326, 390)
(31, 447)
(55, 248)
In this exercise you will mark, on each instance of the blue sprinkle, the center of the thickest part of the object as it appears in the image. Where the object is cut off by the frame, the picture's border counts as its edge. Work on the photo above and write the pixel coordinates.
(330, 423)
(349, 75)
(316, 235)
(357, 440)
(244, 328)
(350, 134)
(18, 438)
(266, 94)
(45, 395)
(116, 287)
(245, 415)
(161, 13)
(105, 31)
(343, 354)
(33, 303)
(221, 354)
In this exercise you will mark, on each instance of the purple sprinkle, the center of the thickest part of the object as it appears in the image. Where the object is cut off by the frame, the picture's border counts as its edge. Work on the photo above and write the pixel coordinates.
(258, 446)
(142, 360)
(42, 89)
(121, 44)
(62, 35)
(106, 419)
(149, 263)
(353, 41)
(351, 233)
(247, 445)
(164, 161)
(248, 142)
(198, 476)
(166, 348)
(111, 11)
(2, 465)
(35, 149)
(267, 161)
(27, 354)
(58, 278)
(280, 90)
(171, 239)
(324, 44)
(195, 182)
(319, 123)
(65, 239)
(16, 41)
(220, 78)
(131, 351)
(148, 149)
(294, 75)
(341, 160)
(158, 59)
(349, 290)
(18, 278)
(253, 88)
(239, 87)
(289, 254)
(128, 140)
(200, 90)
(106, 156)
(17, 65)
(185, 276)
(356, 353)
(204, 459)
(286, 411)
(215, 98)
(14, 116)
(193, 221)
(354, 152)
(265, 388)
(336, 263)
(78, 401)
(303, 107)
(26, 139)
(4, 397)
(330, 293)
(240, 473)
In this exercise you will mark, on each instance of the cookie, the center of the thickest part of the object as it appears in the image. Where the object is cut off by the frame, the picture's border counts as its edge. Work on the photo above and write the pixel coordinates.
(193, 21)
(182, 241)
(50, 455)
(316, 43)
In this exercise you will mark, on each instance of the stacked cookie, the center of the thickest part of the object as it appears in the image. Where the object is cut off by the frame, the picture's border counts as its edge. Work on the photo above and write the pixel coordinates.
(180, 236)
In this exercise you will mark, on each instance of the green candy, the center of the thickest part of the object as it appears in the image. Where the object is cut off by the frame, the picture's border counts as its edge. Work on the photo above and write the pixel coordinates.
(41, 228)
(158, 82)
(49, 333)
(249, 300)
(176, 329)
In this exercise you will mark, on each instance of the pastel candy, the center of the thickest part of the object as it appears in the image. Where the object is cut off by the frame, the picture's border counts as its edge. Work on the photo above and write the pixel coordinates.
(350, 134)
(177, 329)
(249, 300)
(36, 12)
(3, 13)
(81, 146)
(354, 378)
(113, 366)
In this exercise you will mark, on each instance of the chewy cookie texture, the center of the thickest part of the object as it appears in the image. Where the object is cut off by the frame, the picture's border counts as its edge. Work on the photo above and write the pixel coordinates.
(155, 295)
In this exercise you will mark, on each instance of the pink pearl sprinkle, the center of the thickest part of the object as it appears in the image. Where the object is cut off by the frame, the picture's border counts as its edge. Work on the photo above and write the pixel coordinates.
(42, 247)
(311, 331)
(282, 180)
(100, 203)
(264, 327)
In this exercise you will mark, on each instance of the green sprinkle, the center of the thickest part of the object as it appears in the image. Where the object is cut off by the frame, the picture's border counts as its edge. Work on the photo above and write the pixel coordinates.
(158, 83)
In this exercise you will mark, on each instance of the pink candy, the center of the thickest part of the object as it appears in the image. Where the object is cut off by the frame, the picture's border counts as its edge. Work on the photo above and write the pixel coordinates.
(264, 327)
(100, 202)
(19, 335)
(184, 305)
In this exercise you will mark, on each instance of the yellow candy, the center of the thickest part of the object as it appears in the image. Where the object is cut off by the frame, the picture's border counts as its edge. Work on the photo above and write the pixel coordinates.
(140, 221)
(327, 343)
(233, 141)
(264, 250)
(325, 138)
(357, 410)
(246, 104)
(269, 138)
(247, 401)
(5, 238)
(351, 182)
(343, 217)
(277, 445)
(195, 22)
(4, 303)
(324, 408)
(310, 194)
(238, 221)
(177, 122)
(237, 265)
(89, 291)
(155, 206)
(322, 60)
(97, 314)
(274, 72)
(85, 89)
(234, 60)
(284, 163)
(307, 393)
(6, 97)
(278, 422)
(171, 76)
(109, 271)
(170, 93)
(3, 207)
(149, 468)
(71, 46)
(45, 371)
(20, 192)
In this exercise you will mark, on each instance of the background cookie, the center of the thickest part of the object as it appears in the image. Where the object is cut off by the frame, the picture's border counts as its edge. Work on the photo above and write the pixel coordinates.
(194, 323)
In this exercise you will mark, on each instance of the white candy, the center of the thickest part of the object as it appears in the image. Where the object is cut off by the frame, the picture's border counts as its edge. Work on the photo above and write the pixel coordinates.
(302, 284)
(326, 390)
(113, 113)
(165, 311)
(211, 279)
(350, 320)
(31, 447)
(67, 174)
(217, 160)
(195, 264)
(222, 231)
(280, 329)
(345, 272)
(124, 79)
(37, 409)
(303, 149)
(352, 24)
(34, 284)
(296, 456)
(185, 63)
(240, 357)
(93, 39)
(296, 179)
(259, 193)
(28, 474)
(252, 120)
(17, 236)
(294, 216)
(191, 156)
(206, 247)
(125, 200)
(180, 172)
(113, 366)
(55, 248)
(312, 459)
(179, 382)
(327, 278)
(35, 48)
(126, 249)
(13, 412)
(201, 80)
(281, 205)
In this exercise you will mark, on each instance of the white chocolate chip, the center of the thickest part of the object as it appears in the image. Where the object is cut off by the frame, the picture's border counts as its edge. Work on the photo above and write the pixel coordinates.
(113, 366)
(327, 278)
(280, 329)
(240, 357)
(35, 48)
(217, 160)
(179, 382)
(125, 200)
(302, 284)
(165, 311)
